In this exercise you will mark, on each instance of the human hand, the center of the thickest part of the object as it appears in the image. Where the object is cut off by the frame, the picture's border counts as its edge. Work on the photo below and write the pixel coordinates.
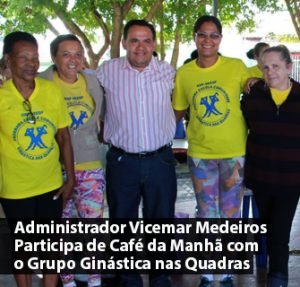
(235, 176)
(65, 191)
(250, 82)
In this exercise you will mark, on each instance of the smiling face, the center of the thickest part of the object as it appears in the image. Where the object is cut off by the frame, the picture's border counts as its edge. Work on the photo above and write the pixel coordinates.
(23, 61)
(69, 60)
(276, 70)
(208, 39)
(139, 45)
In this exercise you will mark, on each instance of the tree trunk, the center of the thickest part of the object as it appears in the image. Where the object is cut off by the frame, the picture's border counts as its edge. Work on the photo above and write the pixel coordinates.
(177, 39)
(153, 10)
(175, 53)
(120, 13)
(76, 30)
(294, 10)
(161, 36)
(116, 31)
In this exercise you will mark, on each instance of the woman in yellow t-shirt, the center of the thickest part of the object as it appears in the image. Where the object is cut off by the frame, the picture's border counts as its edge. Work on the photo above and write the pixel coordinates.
(210, 86)
(84, 97)
(34, 136)
(255, 71)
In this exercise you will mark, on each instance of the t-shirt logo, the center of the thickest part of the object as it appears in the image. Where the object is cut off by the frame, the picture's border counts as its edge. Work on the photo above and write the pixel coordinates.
(210, 105)
(35, 141)
(77, 122)
(35, 135)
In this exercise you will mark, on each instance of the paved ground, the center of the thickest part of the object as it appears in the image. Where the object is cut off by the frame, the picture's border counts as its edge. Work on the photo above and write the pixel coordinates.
(186, 204)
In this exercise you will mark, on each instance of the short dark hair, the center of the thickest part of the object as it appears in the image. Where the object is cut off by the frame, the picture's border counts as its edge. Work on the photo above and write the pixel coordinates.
(282, 50)
(258, 48)
(59, 39)
(207, 18)
(136, 22)
(250, 54)
(2, 64)
(12, 38)
(194, 54)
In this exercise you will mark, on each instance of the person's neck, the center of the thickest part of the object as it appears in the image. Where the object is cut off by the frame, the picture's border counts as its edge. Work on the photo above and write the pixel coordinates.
(285, 86)
(69, 80)
(140, 68)
(24, 87)
(206, 62)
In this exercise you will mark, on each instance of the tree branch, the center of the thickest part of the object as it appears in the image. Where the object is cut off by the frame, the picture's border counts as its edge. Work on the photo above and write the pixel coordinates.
(51, 27)
(126, 7)
(120, 12)
(73, 27)
(153, 10)
(294, 13)
(99, 19)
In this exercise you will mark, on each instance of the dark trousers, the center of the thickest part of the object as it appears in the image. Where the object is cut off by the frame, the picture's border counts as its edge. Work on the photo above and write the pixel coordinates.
(37, 207)
(130, 179)
(277, 210)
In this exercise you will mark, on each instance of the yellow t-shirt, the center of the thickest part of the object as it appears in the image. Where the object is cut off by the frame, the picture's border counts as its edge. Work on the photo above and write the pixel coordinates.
(280, 96)
(29, 153)
(255, 72)
(216, 128)
(81, 107)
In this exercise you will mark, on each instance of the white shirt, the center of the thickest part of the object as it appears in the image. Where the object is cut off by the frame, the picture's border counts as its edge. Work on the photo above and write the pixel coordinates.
(139, 116)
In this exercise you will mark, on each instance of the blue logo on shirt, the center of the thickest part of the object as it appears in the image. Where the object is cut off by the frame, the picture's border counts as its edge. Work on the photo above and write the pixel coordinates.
(35, 141)
(36, 138)
(210, 105)
(77, 122)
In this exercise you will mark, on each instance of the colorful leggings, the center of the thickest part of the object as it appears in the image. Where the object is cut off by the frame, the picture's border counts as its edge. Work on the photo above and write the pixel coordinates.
(218, 186)
(87, 202)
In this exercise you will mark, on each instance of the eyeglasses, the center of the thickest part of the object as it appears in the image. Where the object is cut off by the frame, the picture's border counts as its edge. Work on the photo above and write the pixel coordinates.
(30, 116)
(203, 35)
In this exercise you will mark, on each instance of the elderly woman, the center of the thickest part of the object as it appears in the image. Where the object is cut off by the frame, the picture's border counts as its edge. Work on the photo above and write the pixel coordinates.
(34, 135)
(84, 98)
(272, 112)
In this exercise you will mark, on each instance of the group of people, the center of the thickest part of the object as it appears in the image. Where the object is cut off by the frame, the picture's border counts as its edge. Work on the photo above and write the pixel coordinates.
(50, 122)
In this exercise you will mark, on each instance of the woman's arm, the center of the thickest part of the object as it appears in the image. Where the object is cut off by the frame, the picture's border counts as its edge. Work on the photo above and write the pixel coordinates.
(179, 114)
(66, 154)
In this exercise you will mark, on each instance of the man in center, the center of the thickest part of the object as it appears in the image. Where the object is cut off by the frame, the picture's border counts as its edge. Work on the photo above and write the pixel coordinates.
(139, 126)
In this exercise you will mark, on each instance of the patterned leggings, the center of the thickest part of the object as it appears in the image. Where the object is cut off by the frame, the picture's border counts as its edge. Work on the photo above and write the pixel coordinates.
(87, 202)
(218, 186)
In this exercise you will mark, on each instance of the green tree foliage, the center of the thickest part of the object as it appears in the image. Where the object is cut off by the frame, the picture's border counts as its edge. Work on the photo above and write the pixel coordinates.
(242, 12)
(99, 23)
(284, 38)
